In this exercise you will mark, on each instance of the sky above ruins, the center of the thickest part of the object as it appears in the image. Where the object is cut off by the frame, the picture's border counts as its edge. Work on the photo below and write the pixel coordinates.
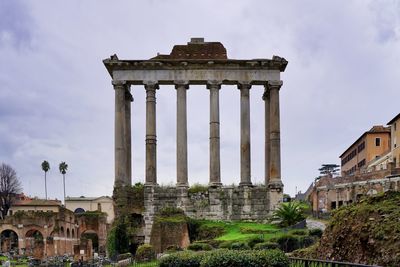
(57, 102)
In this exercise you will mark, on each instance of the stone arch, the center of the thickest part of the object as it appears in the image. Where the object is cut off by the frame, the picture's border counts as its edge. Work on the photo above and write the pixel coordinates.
(34, 243)
(62, 233)
(79, 210)
(93, 236)
(73, 233)
(68, 233)
(9, 240)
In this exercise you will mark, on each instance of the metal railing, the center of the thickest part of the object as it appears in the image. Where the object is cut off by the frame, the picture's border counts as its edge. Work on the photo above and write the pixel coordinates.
(298, 262)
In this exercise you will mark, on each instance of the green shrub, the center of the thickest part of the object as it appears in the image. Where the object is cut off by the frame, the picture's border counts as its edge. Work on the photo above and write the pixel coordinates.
(225, 244)
(255, 240)
(288, 242)
(173, 248)
(199, 247)
(245, 258)
(316, 232)
(212, 242)
(299, 232)
(182, 259)
(193, 228)
(210, 231)
(306, 241)
(240, 246)
(266, 245)
(145, 253)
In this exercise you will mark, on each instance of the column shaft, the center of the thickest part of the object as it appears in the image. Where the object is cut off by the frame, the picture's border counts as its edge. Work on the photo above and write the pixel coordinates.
(128, 136)
(245, 163)
(275, 139)
(267, 154)
(215, 162)
(119, 134)
(181, 135)
(151, 137)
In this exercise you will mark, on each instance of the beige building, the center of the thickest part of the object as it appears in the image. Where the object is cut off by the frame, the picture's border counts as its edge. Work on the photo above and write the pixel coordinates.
(395, 139)
(369, 147)
(82, 204)
(34, 205)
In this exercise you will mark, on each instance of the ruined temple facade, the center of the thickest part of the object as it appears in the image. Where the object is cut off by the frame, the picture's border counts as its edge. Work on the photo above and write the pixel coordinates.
(200, 63)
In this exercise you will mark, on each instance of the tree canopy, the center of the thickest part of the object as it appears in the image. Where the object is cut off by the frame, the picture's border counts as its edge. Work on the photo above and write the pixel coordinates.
(10, 186)
(329, 169)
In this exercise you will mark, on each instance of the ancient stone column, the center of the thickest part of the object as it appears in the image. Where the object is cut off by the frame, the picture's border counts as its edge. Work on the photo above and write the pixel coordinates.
(245, 164)
(181, 134)
(267, 155)
(128, 100)
(275, 136)
(215, 163)
(120, 134)
(151, 137)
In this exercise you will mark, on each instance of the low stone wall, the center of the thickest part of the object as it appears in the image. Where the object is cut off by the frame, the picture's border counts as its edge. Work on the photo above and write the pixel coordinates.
(224, 203)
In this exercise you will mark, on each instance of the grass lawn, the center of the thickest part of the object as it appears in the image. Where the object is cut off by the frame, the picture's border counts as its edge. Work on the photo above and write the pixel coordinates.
(233, 230)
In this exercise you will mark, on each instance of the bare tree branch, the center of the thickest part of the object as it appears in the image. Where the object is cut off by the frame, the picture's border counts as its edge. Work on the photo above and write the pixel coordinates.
(9, 187)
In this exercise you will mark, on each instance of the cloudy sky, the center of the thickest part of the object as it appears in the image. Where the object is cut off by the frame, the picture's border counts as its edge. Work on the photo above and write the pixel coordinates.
(57, 102)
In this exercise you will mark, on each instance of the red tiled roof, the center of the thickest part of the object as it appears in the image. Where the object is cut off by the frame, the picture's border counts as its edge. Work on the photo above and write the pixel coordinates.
(37, 202)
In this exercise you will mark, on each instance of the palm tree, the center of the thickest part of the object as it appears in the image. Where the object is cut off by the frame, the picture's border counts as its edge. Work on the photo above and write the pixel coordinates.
(289, 213)
(45, 168)
(63, 170)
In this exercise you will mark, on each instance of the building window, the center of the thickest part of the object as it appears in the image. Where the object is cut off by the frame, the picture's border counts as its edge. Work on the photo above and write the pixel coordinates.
(378, 141)
(361, 147)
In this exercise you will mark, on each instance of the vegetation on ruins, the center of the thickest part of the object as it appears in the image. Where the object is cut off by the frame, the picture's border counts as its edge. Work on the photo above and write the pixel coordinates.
(63, 170)
(45, 168)
(367, 232)
(9, 187)
(118, 238)
(145, 253)
(289, 213)
(197, 188)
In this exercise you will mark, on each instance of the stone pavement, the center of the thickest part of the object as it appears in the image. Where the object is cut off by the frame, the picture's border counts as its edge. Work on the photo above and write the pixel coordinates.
(315, 224)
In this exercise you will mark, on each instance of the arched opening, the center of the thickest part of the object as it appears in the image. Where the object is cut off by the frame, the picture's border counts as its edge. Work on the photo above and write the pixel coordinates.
(68, 233)
(138, 223)
(9, 241)
(34, 244)
(92, 237)
(73, 233)
(62, 234)
(79, 210)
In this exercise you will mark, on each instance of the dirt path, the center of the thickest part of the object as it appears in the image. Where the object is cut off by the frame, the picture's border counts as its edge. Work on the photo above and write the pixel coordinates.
(315, 224)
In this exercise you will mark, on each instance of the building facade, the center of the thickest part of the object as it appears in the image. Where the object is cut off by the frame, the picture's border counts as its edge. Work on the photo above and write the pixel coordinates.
(370, 146)
(395, 139)
(81, 204)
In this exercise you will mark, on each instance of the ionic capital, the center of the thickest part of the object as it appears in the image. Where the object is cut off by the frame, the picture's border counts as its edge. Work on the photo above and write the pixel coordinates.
(273, 85)
(244, 85)
(214, 84)
(184, 84)
(151, 85)
(119, 84)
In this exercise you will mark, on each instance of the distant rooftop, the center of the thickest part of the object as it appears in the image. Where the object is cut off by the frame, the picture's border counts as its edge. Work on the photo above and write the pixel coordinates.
(196, 49)
(83, 198)
(37, 202)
